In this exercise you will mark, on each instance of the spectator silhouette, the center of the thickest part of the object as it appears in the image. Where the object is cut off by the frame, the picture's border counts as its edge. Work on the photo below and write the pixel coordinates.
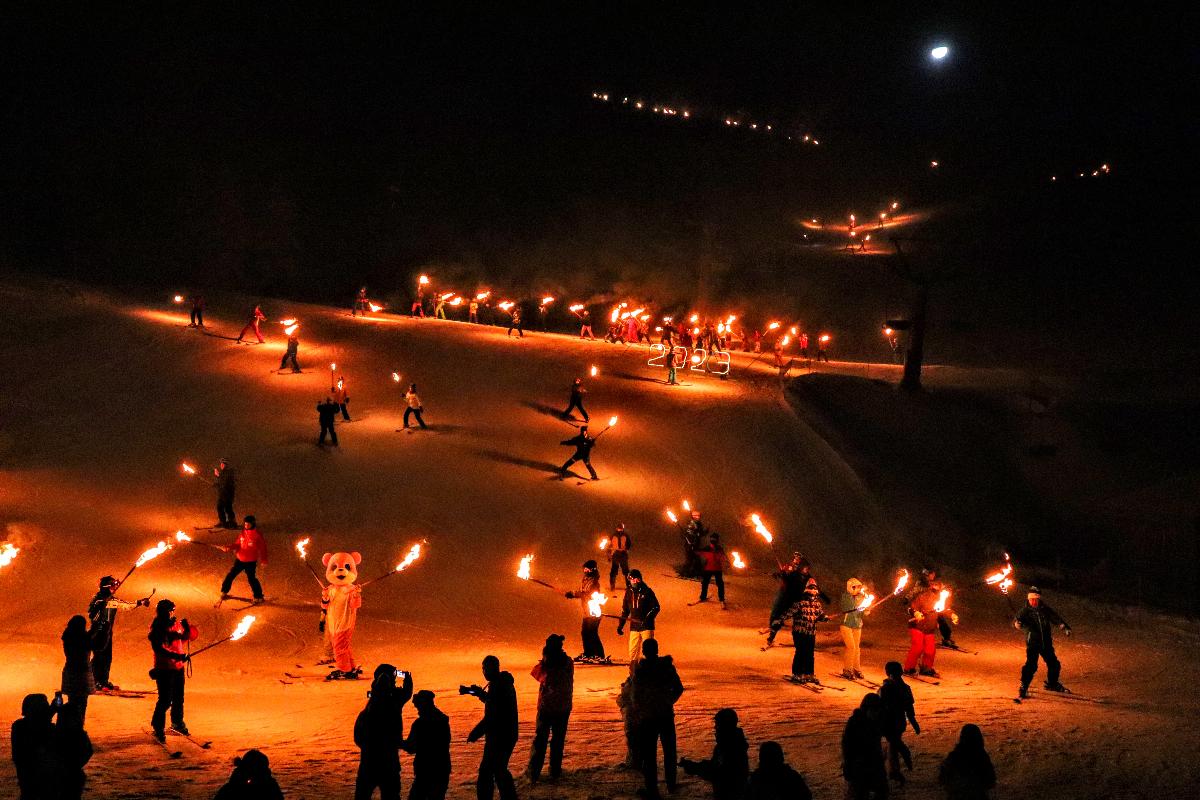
(967, 773)
(379, 734)
(729, 767)
(862, 756)
(774, 779)
(429, 743)
(555, 675)
(77, 680)
(498, 727)
(251, 779)
(656, 688)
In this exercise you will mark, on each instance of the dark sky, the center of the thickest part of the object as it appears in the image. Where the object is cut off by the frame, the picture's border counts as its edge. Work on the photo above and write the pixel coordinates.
(269, 145)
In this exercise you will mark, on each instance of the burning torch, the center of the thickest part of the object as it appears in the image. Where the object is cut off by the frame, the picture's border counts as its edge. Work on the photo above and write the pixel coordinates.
(762, 531)
(190, 471)
(149, 555)
(8, 551)
(414, 553)
(302, 549)
(612, 421)
(242, 628)
(182, 538)
(901, 582)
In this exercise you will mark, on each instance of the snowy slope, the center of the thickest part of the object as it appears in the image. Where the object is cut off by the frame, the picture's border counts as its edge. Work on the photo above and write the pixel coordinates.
(106, 396)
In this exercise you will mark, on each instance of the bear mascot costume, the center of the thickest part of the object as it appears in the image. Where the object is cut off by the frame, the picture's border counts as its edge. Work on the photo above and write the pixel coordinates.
(340, 601)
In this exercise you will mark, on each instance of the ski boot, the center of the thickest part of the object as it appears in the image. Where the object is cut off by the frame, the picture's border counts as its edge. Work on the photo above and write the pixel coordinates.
(1055, 687)
(848, 674)
(160, 735)
(858, 674)
(930, 672)
(1023, 691)
(353, 674)
(181, 729)
(335, 675)
(910, 672)
(810, 678)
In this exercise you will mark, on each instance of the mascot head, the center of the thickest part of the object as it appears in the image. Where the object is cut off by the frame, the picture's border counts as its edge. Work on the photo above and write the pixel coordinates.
(341, 569)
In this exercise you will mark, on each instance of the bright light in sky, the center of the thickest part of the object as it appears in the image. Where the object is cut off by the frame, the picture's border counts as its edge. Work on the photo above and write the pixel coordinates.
(939, 52)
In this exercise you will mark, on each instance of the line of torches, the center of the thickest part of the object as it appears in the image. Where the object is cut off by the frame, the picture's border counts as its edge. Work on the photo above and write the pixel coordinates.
(735, 121)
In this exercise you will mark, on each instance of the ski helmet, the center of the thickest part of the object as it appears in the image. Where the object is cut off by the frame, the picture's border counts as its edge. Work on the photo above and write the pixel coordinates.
(107, 580)
(590, 564)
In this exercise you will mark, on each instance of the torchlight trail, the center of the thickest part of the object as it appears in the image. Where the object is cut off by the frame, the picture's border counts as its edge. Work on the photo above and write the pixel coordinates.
(8, 551)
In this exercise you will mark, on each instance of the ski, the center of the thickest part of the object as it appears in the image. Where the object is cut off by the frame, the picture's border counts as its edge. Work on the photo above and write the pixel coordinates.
(959, 649)
(815, 688)
(134, 693)
(1068, 695)
(170, 753)
(923, 679)
(190, 738)
(609, 663)
(860, 681)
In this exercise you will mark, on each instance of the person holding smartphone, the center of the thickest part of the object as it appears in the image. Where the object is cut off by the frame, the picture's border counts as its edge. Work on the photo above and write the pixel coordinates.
(379, 734)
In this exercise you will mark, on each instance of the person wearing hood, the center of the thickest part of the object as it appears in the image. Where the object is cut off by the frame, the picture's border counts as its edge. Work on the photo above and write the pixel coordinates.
(555, 674)
(251, 779)
(967, 773)
(169, 638)
(805, 615)
(33, 747)
(898, 712)
(656, 688)
(429, 743)
(498, 728)
(729, 767)
(77, 680)
(589, 584)
(862, 756)
(379, 734)
(774, 779)
(102, 612)
(851, 627)
(1038, 620)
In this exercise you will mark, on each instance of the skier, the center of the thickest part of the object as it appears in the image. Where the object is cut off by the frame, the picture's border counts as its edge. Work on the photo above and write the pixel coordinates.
(249, 548)
(418, 305)
(577, 393)
(360, 303)
(792, 577)
(712, 565)
(473, 312)
(543, 313)
(256, 318)
(851, 627)
(898, 712)
(583, 445)
(618, 556)
(640, 609)
(930, 579)
(251, 779)
(439, 308)
(102, 612)
(593, 648)
(803, 341)
(922, 628)
(555, 674)
(498, 727)
(694, 536)
(514, 323)
(862, 757)
(822, 348)
(729, 767)
(656, 688)
(585, 326)
(326, 412)
(168, 638)
(415, 408)
(967, 773)
(774, 779)
(379, 734)
(1038, 620)
(77, 681)
(805, 614)
(226, 486)
(293, 345)
(340, 397)
(197, 311)
(672, 363)
(429, 743)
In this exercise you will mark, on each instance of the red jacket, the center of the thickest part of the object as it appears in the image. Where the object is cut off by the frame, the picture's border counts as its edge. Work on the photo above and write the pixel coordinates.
(251, 546)
(170, 639)
(712, 559)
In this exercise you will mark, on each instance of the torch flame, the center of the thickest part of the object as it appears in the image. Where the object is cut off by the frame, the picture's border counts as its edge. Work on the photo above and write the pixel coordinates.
(242, 628)
(595, 371)
(302, 547)
(290, 329)
(483, 295)
(736, 560)
(333, 366)
(423, 280)
(188, 468)
(180, 536)
(288, 321)
(598, 600)
(1002, 579)
(523, 570)
(940, 605)
(396, 377)
(785, 341)
(153, 552)
(616, 312)
(825, 337)
(760, 528)
(576, 307)
(458, 301)
(413, 554)
(375, 306)
(604, 543)
(8, 551)
(671, 516)
(507, 304)
(547, 300)
(178, 298)
(446, 296)
(612, 421)
(686, 505)
(773, 326)
(901, 582)
(866, 603)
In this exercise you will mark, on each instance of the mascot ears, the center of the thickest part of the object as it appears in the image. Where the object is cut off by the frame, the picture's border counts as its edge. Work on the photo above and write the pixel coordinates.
(328, 556)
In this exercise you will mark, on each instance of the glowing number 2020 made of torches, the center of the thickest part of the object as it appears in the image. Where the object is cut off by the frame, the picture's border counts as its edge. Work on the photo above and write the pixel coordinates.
(700, 360)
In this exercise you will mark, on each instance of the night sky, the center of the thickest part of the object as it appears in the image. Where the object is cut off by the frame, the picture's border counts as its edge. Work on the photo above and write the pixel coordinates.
(301, 153)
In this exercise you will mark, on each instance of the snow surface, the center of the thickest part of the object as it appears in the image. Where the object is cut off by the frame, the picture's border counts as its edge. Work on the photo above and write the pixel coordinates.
(106, 395)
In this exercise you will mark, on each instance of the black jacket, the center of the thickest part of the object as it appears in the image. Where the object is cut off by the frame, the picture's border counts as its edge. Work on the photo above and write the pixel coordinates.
(429, 742)
(779, 783)
(326, 413)
(862, 755)
(897, 705)
(582, 443)
(1038, 624)
(379, 729)
(655, 689)
(729, 767)
(640, 607)
(499, 723)
(226, 482)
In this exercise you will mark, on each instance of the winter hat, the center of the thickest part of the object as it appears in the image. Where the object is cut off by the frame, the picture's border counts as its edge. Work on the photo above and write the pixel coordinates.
(555, 641)
(635, 573)
(251, 521)
(853, 585)
(107, 580)
(384, 669)
(811, 586)
(423, 696)
(164, 606)
(1033, 592)
(620, 526)
(726, 718)
(590, 564)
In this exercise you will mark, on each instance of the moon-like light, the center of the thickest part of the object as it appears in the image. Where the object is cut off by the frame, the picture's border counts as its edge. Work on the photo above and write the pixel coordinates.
(939, 52)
